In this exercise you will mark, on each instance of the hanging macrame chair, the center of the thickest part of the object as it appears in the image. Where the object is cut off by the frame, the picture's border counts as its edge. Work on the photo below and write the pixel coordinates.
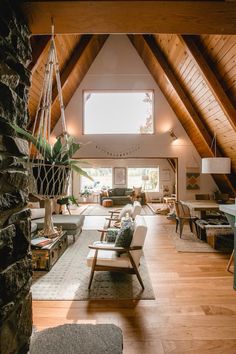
(48, 180)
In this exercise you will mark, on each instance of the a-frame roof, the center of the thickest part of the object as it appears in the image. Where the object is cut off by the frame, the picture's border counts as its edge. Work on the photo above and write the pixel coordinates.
(196, 73)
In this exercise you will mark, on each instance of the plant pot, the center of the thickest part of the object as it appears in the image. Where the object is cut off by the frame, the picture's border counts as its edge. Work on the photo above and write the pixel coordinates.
(51, 181)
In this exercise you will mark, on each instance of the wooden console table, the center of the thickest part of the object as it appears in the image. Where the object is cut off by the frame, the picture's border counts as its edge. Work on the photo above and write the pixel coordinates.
(45, 257)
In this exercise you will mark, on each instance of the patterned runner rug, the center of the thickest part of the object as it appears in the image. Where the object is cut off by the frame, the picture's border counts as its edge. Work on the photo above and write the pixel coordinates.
(69, 278)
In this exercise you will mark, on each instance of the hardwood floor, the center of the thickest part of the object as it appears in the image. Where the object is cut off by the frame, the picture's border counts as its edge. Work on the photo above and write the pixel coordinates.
(194, 310)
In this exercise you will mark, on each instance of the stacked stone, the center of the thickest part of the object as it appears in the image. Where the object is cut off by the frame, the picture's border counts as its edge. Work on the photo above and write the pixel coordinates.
(15, 259)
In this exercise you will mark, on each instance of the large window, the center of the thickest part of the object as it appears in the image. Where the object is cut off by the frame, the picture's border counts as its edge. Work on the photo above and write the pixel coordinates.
(102, 179)
(145, 177)
(118, 112)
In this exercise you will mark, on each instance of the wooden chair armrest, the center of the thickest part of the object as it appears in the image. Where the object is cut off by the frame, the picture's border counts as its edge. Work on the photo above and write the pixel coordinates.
(102, 230)
(117, 211)
(113, 248)
(112, 219)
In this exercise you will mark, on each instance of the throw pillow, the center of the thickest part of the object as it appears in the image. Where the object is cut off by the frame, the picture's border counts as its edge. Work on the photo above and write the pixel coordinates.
(111, 235)
(111, 193)
(105, 193)
(137, 191)
(125, 235)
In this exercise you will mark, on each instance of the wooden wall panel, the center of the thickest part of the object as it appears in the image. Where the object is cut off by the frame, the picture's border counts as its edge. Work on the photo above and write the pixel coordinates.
(193, 82)
(220, 50)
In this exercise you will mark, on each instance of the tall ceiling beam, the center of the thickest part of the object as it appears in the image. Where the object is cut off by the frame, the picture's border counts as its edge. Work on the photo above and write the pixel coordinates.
(186, 17)
(211, 79)
(196, 119)
(75, 70)
(147, 48)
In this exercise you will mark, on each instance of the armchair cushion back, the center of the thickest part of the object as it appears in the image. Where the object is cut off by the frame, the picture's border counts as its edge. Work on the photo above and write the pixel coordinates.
(139, 235)
(128, 208)
(136, 209)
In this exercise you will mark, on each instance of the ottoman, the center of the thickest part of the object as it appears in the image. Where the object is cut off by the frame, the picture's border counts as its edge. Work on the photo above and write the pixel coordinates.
(70, 223)
(107, 203)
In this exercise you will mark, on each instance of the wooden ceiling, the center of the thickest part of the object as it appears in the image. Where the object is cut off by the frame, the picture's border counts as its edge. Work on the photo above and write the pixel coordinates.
(196, 73)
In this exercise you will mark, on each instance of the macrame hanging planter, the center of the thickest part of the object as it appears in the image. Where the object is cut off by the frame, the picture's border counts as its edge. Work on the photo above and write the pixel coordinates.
(49, 179)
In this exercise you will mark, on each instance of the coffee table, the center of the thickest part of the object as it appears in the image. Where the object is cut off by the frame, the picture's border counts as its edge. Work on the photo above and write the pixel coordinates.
(43, 258)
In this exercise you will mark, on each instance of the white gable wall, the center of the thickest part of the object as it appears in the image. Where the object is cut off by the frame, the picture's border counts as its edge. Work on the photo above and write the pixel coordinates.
(118, 66)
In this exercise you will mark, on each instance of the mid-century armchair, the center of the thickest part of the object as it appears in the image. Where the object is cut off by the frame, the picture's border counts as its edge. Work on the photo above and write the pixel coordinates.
(104, 256)
(117, 214)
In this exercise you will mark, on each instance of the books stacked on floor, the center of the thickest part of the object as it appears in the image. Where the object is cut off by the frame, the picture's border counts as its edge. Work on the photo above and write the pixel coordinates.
(41, 242)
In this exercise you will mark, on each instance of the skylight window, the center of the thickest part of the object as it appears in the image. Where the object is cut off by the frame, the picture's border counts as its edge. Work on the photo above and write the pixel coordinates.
(118, 112)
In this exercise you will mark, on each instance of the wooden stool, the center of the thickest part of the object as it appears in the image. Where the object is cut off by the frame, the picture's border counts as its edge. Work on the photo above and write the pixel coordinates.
(107, 203)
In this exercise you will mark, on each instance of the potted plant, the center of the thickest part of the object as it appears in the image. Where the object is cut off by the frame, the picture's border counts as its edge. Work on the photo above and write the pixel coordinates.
(86, 192)
(56, 160)
(51, 170)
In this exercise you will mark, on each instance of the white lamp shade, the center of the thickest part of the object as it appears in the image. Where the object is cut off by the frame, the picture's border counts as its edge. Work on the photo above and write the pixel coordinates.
(216, 165)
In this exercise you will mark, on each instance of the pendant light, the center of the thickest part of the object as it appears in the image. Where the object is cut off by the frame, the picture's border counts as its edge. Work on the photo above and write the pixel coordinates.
(218, 165)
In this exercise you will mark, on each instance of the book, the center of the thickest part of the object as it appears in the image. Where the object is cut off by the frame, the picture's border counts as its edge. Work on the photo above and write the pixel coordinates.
(41, 242)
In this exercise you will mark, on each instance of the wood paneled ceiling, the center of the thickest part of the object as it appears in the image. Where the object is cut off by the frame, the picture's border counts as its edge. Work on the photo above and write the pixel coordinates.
(196, 73)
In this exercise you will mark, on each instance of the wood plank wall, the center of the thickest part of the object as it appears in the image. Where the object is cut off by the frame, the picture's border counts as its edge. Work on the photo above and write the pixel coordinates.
(223, 50)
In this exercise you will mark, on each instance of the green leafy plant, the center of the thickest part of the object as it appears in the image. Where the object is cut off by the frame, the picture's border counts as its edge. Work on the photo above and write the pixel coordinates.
(68, 200)
(86, 192)
(60, 153)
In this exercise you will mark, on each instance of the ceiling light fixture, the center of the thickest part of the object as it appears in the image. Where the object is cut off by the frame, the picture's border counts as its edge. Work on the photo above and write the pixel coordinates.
(218, 165)
(172, 134)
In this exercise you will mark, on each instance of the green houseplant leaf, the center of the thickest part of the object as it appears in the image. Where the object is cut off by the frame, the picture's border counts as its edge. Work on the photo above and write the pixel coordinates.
(58, 154)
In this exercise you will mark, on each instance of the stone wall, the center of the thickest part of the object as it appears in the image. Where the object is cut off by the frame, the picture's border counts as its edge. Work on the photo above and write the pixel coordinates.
(15, 259)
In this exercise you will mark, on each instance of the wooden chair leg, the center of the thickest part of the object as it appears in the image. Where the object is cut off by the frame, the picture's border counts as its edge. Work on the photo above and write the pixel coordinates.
(191, 225)
(176, 225)
(230, 261)
(136, 270)
(68, 208)
(93, 269)
(181, 226)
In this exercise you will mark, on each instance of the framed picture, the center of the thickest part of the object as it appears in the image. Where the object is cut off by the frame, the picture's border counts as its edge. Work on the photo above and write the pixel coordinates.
(120, 176)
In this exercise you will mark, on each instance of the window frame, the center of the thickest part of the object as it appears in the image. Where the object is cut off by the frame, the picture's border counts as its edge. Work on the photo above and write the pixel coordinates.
(84, 91)
(143, 167)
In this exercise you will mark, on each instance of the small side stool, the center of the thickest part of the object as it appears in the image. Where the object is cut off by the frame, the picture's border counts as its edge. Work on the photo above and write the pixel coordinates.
(107, 203)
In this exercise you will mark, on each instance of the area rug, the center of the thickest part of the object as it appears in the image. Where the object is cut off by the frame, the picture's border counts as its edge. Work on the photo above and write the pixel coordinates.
(78, 338)
(69, 278)
(190, 243)
(99, 210)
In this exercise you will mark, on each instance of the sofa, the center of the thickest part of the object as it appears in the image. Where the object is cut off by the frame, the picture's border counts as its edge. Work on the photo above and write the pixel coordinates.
(70, 223)
(119, 196)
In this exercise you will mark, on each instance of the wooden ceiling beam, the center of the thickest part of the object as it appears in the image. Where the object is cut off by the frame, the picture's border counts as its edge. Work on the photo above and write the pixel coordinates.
(186, 17)
(196, 119)
(39, 46)
(80, 61)
(211, 79)
(147, 48)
